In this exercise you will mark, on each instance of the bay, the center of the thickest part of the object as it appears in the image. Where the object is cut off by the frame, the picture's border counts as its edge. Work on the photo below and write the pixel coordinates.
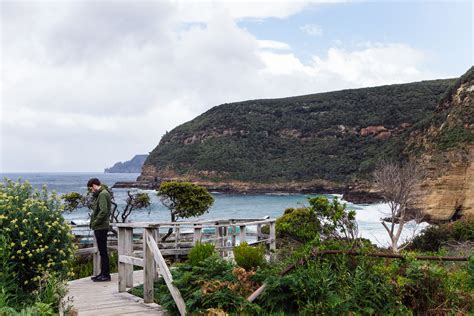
(225, 206)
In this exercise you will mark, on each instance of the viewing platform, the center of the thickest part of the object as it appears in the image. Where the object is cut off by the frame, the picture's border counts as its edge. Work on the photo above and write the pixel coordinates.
(143, 244)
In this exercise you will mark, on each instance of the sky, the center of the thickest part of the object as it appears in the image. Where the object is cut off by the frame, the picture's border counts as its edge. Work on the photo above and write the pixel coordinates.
(84, 84)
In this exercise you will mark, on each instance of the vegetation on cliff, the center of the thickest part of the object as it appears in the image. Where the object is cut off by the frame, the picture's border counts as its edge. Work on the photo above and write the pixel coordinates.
(451, 125)
(335, 136)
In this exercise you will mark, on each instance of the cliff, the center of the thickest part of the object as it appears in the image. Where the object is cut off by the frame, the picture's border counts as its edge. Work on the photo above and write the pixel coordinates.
(131, 166)
(445, 150)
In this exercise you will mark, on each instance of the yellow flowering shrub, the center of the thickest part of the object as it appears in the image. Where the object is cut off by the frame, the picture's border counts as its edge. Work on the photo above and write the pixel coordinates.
(39, 239)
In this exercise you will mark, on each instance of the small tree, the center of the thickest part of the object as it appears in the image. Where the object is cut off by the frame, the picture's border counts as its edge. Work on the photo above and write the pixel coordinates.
(184, 200)
(323, 219)
(136, 201)
(397, 185)
(336, 222)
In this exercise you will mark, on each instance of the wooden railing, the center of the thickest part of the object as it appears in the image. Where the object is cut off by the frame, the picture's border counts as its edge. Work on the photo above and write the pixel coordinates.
(88, 250)
(223, 233)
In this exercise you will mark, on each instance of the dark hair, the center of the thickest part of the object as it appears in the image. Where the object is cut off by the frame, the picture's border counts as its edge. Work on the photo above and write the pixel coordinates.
(93, 181)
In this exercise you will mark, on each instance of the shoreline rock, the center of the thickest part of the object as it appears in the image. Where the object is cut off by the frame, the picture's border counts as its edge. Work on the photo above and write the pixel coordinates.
(357, 196)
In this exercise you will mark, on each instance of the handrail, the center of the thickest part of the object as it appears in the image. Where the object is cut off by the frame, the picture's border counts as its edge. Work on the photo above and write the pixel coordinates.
(166, 273)
(224, 236)
(214, 222)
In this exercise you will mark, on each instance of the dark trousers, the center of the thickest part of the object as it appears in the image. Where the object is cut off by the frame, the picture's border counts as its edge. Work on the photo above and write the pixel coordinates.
(101, 237)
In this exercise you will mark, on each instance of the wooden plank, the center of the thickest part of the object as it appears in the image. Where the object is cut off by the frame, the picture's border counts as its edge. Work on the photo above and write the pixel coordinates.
(265, 221)
(166, 273)
(86, 251)
(212, 222)
(149, 269)
(132, 260)
(102, 298)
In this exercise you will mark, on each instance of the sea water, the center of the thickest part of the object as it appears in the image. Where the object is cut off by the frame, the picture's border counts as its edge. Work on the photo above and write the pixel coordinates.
(225, 205)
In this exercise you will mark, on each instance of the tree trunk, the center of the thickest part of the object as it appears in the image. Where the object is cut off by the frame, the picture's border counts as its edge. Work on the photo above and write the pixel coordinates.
(170, 231)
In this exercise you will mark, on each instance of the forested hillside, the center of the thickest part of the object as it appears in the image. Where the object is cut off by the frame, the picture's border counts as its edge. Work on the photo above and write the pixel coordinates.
(335, 136)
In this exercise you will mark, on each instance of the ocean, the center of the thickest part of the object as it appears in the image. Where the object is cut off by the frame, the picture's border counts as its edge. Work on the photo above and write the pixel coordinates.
(225, 205)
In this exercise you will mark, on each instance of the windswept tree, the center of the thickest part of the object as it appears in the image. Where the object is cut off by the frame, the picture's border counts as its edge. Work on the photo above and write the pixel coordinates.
(323, 219)
(134, 201)
(184, 200)
(398, 184)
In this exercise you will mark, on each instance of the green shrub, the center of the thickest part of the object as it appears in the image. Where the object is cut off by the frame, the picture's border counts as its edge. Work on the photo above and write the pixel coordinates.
(323, 218)
(36, 244)
(200, 252)
(249, 257)
(332, 285)
(211, 283)
(301, 224)
(432, 287)
(433, 237)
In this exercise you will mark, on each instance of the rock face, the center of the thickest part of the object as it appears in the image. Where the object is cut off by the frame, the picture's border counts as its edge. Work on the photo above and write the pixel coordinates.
(451, 195)
(445, 149)
(131, 166)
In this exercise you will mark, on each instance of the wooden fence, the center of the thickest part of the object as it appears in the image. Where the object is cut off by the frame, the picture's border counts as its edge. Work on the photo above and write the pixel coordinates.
(140, 244)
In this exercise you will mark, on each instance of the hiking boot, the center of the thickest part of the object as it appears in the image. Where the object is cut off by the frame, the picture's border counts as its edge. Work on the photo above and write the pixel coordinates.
(95, 277)
(102, 278)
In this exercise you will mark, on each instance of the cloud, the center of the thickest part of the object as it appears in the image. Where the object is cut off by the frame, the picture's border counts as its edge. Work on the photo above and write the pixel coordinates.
(312, 29)
(273, 45)
(87, 84)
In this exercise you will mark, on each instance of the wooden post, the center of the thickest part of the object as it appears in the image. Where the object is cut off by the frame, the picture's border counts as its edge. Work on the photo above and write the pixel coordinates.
(225, 232)
(197, 235)
(259, 232)
(220, 239)
(176, 241)
(95, 258)
(242, 234)
(125, 247)
(217, 236)
(272, 236)
(234, 233)
(156, 235)
(149, 270)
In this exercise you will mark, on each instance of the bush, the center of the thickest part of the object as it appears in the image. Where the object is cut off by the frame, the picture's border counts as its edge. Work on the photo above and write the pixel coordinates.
(249, 257)
(36, 241)
(200, 252)
(301, 224)
(212, 283)
(428, 287)
(434, 237)
(323, 218)
(332, 285)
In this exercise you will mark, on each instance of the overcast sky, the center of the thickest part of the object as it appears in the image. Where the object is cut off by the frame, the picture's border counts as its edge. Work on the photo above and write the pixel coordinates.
(85, 84)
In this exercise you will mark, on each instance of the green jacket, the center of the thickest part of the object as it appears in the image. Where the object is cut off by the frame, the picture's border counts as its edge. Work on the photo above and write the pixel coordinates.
(101, 206)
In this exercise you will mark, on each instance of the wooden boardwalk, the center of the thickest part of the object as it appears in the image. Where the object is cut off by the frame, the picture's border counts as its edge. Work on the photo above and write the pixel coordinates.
(103, 298)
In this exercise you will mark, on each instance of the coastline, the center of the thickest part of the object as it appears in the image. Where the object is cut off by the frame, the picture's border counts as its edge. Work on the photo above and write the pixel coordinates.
(357, 195)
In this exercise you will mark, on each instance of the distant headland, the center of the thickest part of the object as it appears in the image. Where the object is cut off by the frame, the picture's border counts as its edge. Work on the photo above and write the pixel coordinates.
(131, 166)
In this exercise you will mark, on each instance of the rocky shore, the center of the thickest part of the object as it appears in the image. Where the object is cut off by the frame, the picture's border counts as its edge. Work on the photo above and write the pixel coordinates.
(350, 194)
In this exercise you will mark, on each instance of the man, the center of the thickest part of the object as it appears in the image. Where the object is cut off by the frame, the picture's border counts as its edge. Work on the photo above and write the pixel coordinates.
(101, 205)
